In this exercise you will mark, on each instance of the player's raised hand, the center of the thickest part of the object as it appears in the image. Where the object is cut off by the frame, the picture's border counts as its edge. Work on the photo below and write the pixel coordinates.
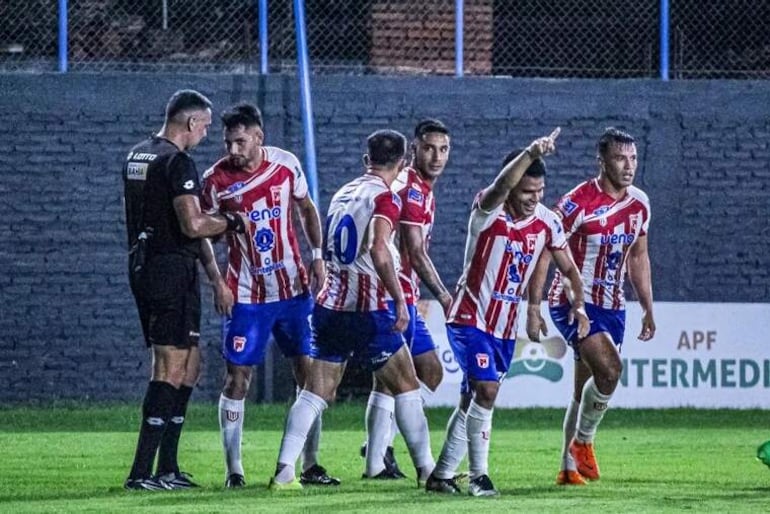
(544, 145)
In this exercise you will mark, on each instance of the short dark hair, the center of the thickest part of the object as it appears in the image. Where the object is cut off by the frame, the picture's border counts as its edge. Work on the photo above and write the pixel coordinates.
(428, 125)
(385, 147)
(612, 135)
(535, 169)
(243, 113)
(186, 100)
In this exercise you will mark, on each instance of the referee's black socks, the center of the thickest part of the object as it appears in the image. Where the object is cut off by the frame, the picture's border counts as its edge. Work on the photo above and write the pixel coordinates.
(159, 401)
(167, 453)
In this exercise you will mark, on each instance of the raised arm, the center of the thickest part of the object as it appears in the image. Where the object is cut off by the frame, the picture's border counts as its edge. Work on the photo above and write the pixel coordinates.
(641, 279)
(496, 193)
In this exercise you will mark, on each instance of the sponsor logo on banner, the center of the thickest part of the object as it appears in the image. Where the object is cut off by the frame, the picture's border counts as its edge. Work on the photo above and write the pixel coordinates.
(541, 359)
(239, 343)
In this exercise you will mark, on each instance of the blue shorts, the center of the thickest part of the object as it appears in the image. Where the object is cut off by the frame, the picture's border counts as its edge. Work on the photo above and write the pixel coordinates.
(417, 336)
(337, 335)
(612, 321)
(246, 333)
(481, 356)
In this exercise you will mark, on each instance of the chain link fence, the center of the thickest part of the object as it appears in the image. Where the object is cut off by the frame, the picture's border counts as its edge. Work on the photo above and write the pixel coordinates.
(522, 38)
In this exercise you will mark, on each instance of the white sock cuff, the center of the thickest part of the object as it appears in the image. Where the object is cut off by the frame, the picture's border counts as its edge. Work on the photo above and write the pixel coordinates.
(382, 400)
(477, 411)
(409, 396)
(596, 395)
(316, 402)
(230, 404)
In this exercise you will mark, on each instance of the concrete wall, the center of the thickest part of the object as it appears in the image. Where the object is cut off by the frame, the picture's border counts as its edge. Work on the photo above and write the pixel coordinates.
(68, 327)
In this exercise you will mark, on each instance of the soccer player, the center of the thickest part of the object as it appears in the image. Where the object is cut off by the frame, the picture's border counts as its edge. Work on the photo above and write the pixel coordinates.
(265, 274)
(165, 226)
(361, 309)
(508, 231)
(414, 186)
(606, 220)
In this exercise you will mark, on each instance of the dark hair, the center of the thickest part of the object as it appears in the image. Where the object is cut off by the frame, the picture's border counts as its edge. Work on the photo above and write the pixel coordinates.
(613, 135)
(243, 113)
(186, 100)
(536, 169)
(385, 147)
(429, 125)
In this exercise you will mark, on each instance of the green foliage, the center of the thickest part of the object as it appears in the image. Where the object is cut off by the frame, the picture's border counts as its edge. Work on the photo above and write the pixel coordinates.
(74, 459)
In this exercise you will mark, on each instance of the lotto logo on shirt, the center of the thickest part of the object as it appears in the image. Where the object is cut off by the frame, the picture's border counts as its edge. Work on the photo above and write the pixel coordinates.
(239, 343)
(482, 360)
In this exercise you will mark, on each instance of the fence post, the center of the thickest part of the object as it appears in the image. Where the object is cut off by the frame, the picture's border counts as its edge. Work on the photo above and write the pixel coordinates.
(664, 48)
(459, 30)
(63, 36)
(306, 107)
(263, 41)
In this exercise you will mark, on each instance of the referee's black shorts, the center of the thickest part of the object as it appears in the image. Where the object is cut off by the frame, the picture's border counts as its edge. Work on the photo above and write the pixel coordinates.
(167, 294)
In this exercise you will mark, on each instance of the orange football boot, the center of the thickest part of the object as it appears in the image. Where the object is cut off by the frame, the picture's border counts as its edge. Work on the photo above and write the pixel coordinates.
(569, 477)
(584, 456)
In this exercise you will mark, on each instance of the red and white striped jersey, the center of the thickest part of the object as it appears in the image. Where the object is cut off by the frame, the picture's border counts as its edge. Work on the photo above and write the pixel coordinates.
(264, 264)
(418, 208)
(500, 257)
(351, 282)
(600, 231)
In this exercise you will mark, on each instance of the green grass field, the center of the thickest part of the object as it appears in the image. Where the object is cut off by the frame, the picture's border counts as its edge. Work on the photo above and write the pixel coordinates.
(74, 459)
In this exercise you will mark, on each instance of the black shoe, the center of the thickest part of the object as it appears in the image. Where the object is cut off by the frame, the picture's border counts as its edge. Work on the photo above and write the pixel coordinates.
(441, 485)
(482, 486)
(146, 484)
(385, 474)
(180, 480)
(391, 464)
(234, 481)
(316, 475)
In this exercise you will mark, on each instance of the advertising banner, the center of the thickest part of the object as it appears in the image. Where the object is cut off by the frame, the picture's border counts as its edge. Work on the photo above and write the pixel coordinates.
(704, 355)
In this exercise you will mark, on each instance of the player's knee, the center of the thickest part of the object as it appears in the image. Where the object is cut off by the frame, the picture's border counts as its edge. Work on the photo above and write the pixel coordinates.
(236, 385)
(485, 394)
(430, 372)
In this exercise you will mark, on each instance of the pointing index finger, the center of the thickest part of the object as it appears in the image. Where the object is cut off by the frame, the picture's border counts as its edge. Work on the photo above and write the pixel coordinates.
(555, 134)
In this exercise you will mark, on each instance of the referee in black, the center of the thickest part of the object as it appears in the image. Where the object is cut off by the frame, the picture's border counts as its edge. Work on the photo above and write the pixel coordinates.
(165, 226)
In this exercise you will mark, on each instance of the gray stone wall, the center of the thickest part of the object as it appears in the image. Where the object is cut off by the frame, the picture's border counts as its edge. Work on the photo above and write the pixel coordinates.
(68, 327)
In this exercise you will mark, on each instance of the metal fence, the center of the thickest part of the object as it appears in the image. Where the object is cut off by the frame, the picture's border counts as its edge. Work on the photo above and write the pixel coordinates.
(523, 38)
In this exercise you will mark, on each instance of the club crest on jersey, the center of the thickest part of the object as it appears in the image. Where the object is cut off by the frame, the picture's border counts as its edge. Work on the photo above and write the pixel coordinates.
(635, 220)
(415, 196)
(264, 240)
(239, 343)
(275, 194)
(482, 360)
(568, 206)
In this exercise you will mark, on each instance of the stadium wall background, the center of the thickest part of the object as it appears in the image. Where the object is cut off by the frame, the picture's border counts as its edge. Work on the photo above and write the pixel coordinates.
(68, 326)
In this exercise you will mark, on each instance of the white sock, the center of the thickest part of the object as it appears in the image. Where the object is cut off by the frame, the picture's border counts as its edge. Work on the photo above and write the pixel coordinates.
(231, 428)
(303, 413)
(455, 446)
(313, 442)
(569, 428)
(379, 416)
(414, 427)
(593, 405)
(478, 427)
